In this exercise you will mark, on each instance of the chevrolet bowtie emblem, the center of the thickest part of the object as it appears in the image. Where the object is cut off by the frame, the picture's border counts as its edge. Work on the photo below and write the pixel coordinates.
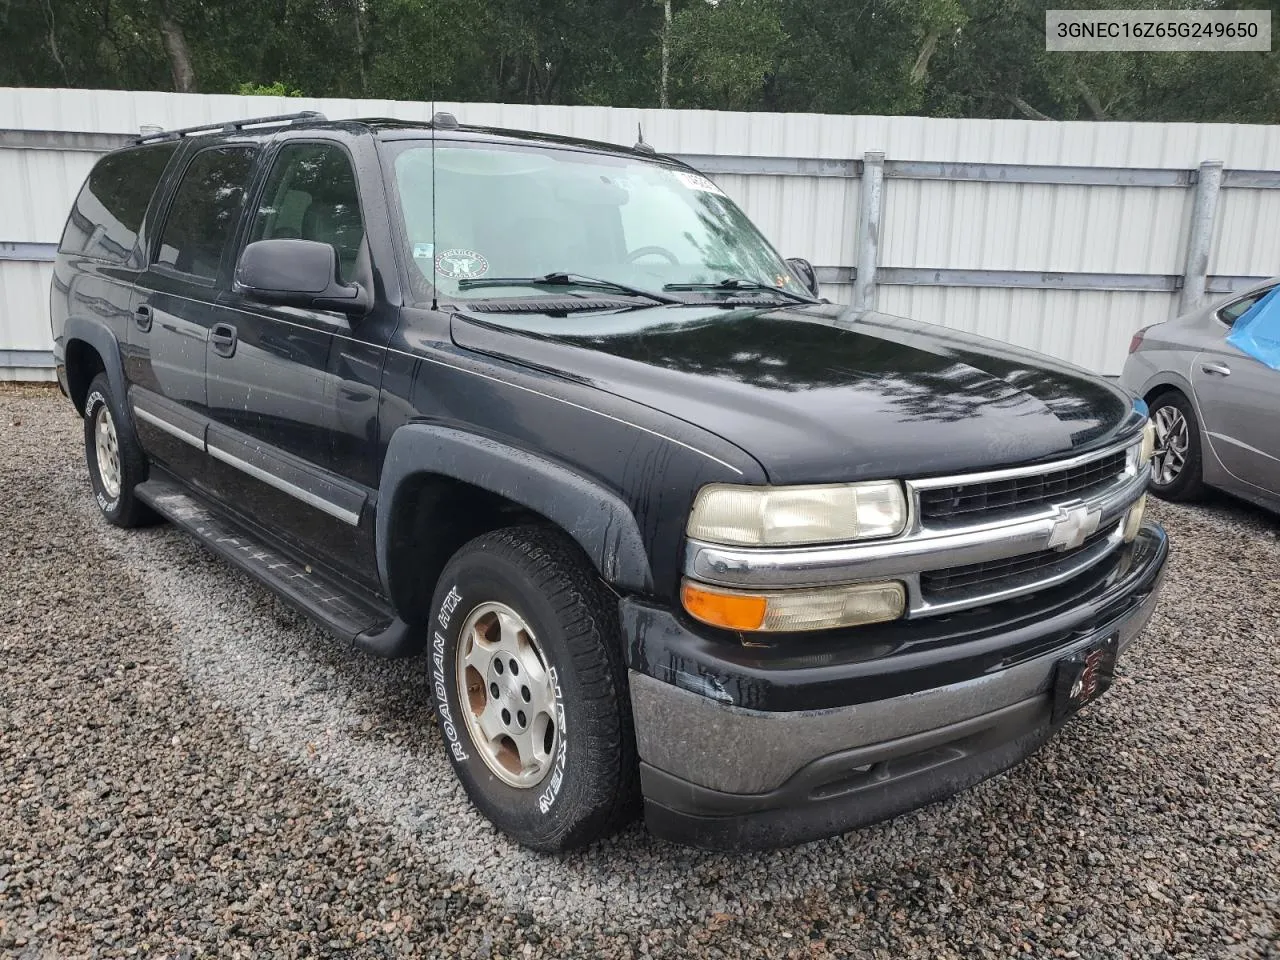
(1073, 526)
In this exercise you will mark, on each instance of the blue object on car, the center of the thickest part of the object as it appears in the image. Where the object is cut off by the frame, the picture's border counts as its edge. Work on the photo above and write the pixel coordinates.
(1257, 332)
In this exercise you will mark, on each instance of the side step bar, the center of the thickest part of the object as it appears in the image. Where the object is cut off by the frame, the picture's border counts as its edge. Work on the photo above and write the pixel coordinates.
(354, 619)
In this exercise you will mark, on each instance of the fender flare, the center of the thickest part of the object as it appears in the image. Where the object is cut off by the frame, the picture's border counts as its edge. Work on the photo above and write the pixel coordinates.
(104, 341)
(595, 517)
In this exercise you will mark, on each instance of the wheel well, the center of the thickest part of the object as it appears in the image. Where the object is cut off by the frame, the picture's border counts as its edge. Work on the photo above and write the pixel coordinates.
(432, 516)
(83, 364)
(1160, 389)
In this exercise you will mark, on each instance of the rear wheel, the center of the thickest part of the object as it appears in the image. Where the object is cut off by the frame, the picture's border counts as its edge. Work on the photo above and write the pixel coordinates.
(530, 688)
(116, 462)
(1177, 465)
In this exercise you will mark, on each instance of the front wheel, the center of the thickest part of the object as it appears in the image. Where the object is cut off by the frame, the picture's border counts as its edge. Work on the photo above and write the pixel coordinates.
(1176, 465)
(530, 688)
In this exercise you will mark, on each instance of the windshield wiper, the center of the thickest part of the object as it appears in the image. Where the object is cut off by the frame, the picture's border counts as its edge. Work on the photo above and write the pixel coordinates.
(563, 279)
(737, 284)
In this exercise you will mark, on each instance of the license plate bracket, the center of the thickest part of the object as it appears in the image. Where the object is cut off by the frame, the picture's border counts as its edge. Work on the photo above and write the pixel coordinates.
(1084, 676)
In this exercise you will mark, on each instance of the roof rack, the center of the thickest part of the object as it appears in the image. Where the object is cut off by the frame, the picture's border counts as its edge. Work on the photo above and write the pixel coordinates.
(231, 126)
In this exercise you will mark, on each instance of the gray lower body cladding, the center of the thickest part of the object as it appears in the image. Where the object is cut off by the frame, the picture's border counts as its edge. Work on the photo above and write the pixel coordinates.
(719, 775)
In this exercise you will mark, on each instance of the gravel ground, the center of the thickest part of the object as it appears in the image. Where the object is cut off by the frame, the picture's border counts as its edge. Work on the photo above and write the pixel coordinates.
(188, 768)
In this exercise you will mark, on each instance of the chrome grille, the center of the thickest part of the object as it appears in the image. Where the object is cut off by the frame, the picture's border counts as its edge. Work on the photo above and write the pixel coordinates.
(973, 502)
(994, 576)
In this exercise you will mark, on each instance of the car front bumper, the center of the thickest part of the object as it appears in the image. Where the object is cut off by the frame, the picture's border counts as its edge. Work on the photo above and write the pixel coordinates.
(743, 749)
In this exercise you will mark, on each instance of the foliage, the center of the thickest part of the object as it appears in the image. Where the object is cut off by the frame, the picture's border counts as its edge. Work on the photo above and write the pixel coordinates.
(277, 89)
(982, 58)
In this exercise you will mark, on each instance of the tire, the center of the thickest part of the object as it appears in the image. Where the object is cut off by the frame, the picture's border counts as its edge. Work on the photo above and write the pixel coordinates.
(581, 779)
(1177, 435)
(125, 464)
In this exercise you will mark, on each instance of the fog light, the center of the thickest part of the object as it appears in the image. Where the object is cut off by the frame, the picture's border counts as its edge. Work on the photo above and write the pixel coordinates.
(1133, 519)
(792, 610)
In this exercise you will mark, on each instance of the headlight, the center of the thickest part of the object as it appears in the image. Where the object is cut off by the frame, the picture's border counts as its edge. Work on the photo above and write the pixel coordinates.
(822, 608)
(789, 516)
(1133, 519)
(1141, 452)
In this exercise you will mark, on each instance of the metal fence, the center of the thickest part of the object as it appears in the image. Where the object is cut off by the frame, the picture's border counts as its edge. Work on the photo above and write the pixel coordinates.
(1064, 237)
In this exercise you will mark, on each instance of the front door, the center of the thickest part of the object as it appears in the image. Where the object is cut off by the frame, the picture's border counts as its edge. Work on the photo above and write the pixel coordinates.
(177, 307)
(275, 383)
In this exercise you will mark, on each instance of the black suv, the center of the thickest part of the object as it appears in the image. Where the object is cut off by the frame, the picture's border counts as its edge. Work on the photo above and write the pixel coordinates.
(556, 416)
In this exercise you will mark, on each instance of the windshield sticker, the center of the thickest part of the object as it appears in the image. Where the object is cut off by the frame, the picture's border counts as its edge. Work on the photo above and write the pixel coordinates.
(424, 251)
(461, 264)
(696, 181)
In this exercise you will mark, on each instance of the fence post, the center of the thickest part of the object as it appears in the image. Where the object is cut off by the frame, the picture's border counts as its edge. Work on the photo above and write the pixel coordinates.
(864, 286)
(1204, 209)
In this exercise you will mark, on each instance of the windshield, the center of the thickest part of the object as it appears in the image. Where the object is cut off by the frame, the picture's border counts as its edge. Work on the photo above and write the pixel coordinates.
(526, 212)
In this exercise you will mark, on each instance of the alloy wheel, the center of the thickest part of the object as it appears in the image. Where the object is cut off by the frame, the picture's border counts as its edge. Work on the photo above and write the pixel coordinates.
(1172, 444)
(107, 447)
(508, 695)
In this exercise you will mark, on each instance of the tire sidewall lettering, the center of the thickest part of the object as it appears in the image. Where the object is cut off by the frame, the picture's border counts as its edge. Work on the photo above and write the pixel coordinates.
(440, 687)
(91, 405)
(547, 799)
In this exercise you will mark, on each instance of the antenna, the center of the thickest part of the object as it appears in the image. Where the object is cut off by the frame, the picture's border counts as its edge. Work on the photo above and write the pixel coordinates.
(435, 303)
(641, 146)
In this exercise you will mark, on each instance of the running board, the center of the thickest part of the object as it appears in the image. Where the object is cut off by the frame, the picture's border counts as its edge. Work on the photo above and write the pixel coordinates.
(371, 628)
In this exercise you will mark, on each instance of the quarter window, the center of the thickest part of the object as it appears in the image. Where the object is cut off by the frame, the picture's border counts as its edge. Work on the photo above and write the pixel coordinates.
(108, 213)
(1234, 311)
(311, 195)
(205, 211)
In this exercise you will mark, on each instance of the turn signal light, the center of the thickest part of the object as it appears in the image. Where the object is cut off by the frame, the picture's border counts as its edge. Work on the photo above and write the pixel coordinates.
(794, 610)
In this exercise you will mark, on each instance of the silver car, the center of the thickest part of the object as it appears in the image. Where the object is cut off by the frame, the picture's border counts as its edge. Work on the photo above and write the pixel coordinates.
(1216, 409)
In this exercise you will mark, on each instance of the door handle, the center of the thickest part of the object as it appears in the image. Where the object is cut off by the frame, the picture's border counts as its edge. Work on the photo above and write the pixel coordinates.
(223, 337)
(142, 317)
(1215, 368)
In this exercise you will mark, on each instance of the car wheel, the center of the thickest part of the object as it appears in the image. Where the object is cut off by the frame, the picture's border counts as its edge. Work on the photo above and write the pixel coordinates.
(530, 688)
(116, 462)
(1176, 466)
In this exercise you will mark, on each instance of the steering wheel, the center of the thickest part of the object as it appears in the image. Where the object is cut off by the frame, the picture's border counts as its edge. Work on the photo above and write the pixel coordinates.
(663, 252)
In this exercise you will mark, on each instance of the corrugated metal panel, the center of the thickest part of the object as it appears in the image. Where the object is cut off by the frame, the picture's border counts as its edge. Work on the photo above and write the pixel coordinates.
(24, 291)
(936, 224)
(1089, 327)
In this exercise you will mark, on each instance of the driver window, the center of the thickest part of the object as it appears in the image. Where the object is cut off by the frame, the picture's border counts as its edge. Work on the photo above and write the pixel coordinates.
(311, 195)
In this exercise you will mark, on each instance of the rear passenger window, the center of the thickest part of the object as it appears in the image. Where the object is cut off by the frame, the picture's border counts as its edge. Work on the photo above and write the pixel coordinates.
(108, 213)
(311, 195)
(205, 211)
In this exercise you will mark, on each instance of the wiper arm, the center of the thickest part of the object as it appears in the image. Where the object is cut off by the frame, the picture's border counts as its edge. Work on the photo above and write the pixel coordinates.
(736, 283)
(563, 279)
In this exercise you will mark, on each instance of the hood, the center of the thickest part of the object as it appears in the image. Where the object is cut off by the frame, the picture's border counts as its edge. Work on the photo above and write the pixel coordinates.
(823, 394)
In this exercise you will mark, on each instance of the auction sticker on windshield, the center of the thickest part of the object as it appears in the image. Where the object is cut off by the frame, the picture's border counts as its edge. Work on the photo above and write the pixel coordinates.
(696, 181)
(461, 264)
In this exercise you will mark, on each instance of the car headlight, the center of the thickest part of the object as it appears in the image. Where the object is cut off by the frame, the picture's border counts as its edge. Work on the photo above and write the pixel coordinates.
(1141, 452)
(790, 516)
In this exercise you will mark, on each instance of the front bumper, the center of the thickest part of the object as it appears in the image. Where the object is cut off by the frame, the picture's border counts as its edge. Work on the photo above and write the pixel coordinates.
(747, 748)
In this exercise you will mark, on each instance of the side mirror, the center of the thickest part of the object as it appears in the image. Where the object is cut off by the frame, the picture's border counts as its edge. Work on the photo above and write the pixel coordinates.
(805, 273)
(298, 273)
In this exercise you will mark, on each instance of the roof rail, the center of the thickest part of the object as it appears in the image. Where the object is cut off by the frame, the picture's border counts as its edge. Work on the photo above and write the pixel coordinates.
(230, 126)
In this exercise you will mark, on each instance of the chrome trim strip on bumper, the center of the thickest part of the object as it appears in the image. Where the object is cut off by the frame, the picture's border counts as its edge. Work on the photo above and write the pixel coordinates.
(924, 548)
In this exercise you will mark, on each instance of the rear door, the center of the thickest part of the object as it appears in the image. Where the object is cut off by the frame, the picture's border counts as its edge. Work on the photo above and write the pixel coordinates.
(178, 304)
(1239, 400)
(280, 406)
